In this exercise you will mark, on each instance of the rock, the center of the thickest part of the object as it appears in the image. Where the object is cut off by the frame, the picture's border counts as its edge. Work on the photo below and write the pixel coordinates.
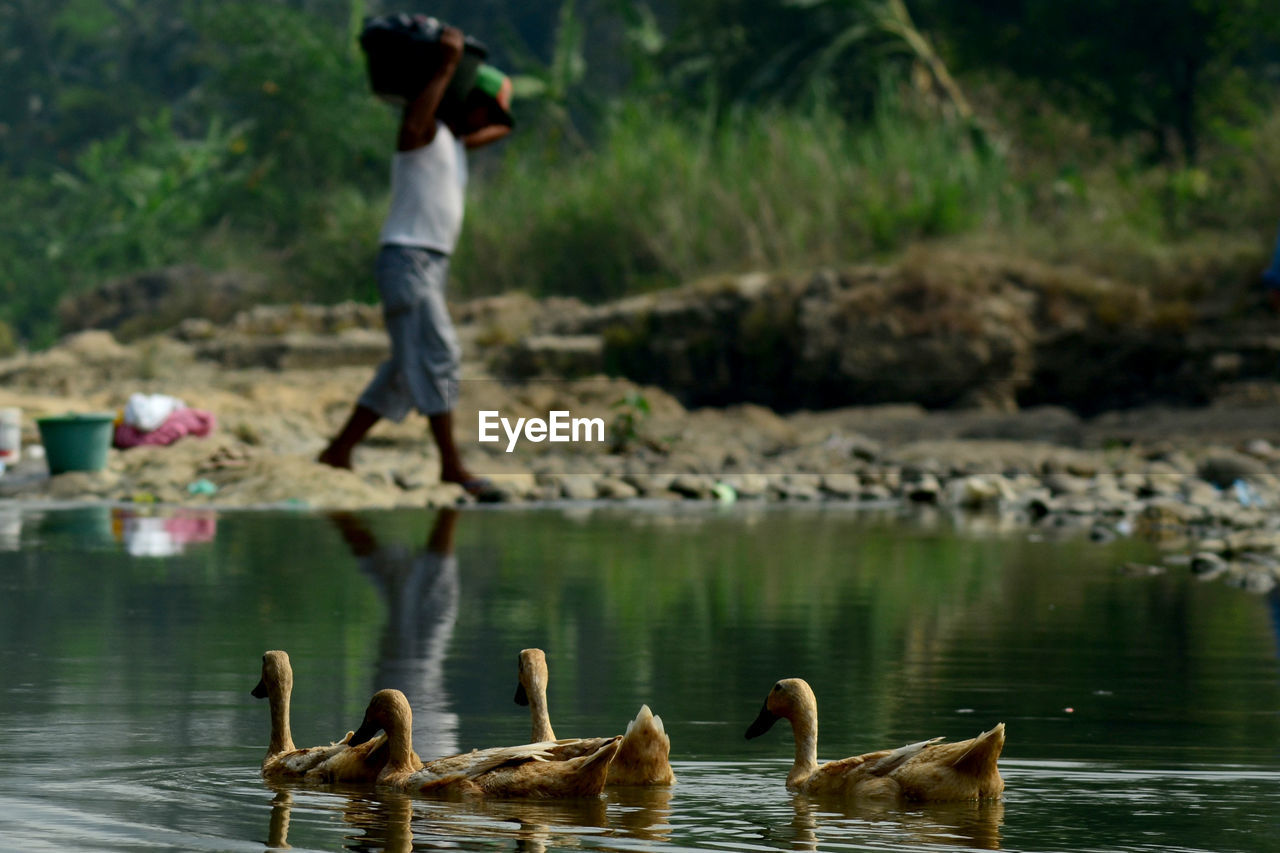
(1260, 448)
(1081, 505)
(615, 489)
(798, 487)
(1252, 541)
(510, 486)
(1223, 469)
(1164, 510)
(1206, 564)
(412, 478)
(979, 492)
(874, 493)
(921, 487)
(195, 329)
(841, 485)
(694, 486)
(157, 299)
(855, 446)
(82, 485)
(1066, 484)
(1162, 479)
(748, 486)
(578, 487)
(650, 485)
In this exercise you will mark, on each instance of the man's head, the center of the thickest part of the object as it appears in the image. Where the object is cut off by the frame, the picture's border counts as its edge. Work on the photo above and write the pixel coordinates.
(488, 103)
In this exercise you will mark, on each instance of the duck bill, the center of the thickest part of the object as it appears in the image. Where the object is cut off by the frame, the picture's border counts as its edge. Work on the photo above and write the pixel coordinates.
(764, 721)
(366, 732)
(259, 692)
(522, 698)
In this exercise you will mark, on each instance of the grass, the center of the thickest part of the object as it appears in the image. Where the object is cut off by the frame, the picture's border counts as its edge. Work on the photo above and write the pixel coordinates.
(662, 200)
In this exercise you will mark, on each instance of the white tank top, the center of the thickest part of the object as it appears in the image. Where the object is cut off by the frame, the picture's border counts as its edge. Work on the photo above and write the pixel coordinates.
(428, 191)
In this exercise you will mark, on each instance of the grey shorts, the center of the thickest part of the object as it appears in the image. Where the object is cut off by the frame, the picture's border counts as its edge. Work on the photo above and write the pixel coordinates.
(426, 361)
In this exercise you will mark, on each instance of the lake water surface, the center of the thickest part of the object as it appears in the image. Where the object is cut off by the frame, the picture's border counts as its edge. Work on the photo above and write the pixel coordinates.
(1143, 713)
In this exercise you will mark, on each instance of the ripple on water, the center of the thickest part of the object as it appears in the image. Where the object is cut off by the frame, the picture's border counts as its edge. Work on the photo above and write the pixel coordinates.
(737, 806)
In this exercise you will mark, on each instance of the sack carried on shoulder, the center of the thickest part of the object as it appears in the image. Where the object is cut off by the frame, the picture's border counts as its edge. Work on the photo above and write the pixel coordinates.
(402, 52)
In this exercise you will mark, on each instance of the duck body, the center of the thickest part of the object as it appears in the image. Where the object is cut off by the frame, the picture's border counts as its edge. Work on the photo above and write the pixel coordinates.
(928, 771)
(543, 770)
(644, 755)
(335, 762)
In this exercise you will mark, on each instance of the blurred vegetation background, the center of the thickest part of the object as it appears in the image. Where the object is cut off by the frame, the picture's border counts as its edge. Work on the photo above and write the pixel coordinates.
(657, 141)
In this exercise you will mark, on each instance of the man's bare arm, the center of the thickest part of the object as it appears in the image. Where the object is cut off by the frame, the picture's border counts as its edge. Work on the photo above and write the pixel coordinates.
(418, 123)
(485, 135)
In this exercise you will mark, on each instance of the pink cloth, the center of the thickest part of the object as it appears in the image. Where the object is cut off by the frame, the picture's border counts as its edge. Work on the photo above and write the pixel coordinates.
(182, 422)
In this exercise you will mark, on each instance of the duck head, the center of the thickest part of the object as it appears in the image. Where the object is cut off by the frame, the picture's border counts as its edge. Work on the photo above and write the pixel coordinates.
(787, 698)
(388, 711)
(277, 676)
(532, 675)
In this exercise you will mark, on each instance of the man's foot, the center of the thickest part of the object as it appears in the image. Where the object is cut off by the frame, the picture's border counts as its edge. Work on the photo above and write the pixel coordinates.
(335, 459)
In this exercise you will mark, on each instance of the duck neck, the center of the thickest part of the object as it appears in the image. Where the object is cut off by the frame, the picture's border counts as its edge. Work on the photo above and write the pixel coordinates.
(281, 738)
(804, 726)
(399, 748)
(541, 715)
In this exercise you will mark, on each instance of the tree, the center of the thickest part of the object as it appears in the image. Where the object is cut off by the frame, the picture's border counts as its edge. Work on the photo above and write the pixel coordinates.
(1166, 68)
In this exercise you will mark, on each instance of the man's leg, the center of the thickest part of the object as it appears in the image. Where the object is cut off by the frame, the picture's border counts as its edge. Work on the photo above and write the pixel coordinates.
(451, 468)
(338, 453)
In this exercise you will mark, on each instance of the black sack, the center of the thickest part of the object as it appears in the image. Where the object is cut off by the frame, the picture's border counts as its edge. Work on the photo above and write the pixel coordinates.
(402, 53)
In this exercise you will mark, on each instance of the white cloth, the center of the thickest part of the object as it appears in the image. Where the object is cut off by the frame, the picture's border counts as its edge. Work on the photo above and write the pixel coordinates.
(428, 192)
(149, 411)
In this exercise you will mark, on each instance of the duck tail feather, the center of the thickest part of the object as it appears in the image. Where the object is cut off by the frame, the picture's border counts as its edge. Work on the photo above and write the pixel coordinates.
(982, 753)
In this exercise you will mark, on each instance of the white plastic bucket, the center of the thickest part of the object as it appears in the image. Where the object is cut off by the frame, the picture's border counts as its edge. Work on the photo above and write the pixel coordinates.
(10, 435)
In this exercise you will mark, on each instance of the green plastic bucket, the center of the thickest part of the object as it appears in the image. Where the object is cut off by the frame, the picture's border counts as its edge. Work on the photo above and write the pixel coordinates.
(77, 442)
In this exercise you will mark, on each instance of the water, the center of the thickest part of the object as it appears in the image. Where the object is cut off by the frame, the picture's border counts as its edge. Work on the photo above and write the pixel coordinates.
(1142, 712)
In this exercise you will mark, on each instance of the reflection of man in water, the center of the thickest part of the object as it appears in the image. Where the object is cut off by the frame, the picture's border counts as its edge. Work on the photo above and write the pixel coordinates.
(420, 590)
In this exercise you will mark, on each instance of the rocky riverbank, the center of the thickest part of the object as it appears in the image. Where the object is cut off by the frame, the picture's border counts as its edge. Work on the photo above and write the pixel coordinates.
(1203, 481)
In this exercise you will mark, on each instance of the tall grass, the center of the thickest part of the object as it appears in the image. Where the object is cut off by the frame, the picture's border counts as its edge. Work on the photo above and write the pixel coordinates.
(661, 199)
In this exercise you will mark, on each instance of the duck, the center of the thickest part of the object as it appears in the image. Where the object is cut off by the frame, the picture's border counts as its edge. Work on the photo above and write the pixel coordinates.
(534, 770)
(335, 762)
(927, 771)
(643, 758)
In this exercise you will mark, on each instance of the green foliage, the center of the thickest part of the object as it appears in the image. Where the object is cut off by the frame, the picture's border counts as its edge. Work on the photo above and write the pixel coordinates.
(78, 70)
(1170, 69)
(130, 197)
(310, 121)
(789, 52)
(630, 414)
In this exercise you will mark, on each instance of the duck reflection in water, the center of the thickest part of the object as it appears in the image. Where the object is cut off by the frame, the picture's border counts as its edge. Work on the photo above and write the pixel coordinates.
(640, 811)
(973, 824)
(419, 586)
(388, 820)
(278, 829)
